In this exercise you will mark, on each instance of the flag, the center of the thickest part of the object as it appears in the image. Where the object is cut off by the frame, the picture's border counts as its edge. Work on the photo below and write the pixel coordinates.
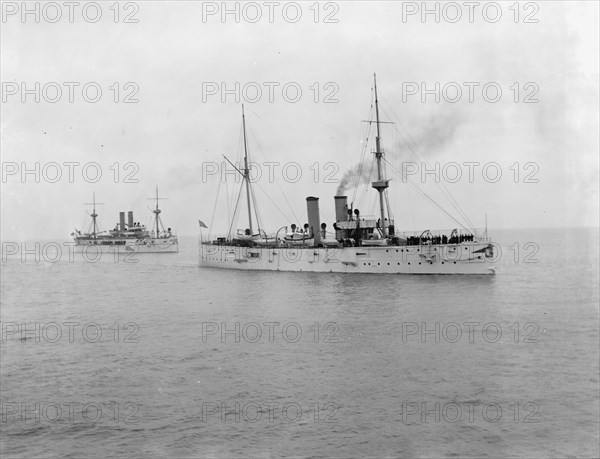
(202, 225)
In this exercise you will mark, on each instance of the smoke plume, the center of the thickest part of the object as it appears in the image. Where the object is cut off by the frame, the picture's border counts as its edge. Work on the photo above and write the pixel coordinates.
(354, 175)
(426, 137)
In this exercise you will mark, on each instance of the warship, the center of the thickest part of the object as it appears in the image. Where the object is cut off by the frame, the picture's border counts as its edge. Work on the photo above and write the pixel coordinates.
(128, 236)
(357, 243)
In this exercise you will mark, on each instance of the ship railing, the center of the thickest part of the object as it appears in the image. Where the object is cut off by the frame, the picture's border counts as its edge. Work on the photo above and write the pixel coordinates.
(374, 218)
(444, 236)
(221, 239)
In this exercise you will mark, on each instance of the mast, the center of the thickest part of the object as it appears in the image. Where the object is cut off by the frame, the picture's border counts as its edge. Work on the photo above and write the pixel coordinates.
(247, 172)
(381, 184)
(156, 213)
(94, 215)
(485, 234)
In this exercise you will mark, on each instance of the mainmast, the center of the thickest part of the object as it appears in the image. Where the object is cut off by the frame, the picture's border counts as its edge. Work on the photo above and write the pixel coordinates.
(381, 184)
(247, 172)
(94, 215)
(156, 213)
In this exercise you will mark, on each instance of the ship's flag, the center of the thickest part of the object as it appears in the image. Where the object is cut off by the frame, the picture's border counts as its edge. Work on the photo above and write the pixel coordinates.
(202, 225)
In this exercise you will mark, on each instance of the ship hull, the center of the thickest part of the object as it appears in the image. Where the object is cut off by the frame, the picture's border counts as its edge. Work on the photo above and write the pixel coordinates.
(468, 258)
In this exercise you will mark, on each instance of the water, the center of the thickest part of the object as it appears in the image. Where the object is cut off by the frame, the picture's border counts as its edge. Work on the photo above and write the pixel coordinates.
(163, 381)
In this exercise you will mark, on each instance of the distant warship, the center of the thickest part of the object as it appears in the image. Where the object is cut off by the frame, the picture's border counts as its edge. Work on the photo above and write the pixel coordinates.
(128, 236)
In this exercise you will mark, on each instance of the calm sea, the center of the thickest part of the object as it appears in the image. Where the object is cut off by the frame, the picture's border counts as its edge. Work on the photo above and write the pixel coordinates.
(162, 358)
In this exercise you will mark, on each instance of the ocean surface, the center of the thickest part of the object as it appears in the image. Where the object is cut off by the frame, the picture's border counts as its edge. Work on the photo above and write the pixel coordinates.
(163, 358)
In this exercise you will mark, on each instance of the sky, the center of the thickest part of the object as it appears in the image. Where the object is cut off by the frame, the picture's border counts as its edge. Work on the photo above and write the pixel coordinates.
(165, 83)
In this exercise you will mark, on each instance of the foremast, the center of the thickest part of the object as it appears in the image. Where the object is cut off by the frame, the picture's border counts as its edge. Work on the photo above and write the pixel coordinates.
(156, 213)
(381, 184)
(158, 224)
(247, 172)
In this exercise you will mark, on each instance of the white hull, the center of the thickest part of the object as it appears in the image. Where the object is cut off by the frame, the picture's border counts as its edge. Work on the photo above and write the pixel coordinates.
(423, 259)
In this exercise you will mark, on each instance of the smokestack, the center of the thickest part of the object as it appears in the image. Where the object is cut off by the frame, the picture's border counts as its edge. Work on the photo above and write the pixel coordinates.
(341, 208)
(122, 221)
(314, 219)
(130, 219)
(341, 213)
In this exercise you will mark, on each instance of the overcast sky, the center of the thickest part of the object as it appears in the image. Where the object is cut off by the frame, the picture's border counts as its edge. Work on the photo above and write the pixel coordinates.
(178, 56)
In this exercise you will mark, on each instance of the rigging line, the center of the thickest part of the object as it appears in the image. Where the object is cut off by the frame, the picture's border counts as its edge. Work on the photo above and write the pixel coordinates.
(250, 133)
(445, 191)
(366, 188)
(460, 210)
(235, 211)
(412, 211)
(417, 152)
(273, 202)
(282, 193)
(374, 205)
(254, 138)
(228, 202)
(259, 148)
(387, 203)
(255, 206)
(288, 202)
(363, 155)
(405, 136)
(386, 195)
(210, 226)
(432, 201)
(366, 135)
(284, 197)
(231, 218)
(450, 198)
(360, 199)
